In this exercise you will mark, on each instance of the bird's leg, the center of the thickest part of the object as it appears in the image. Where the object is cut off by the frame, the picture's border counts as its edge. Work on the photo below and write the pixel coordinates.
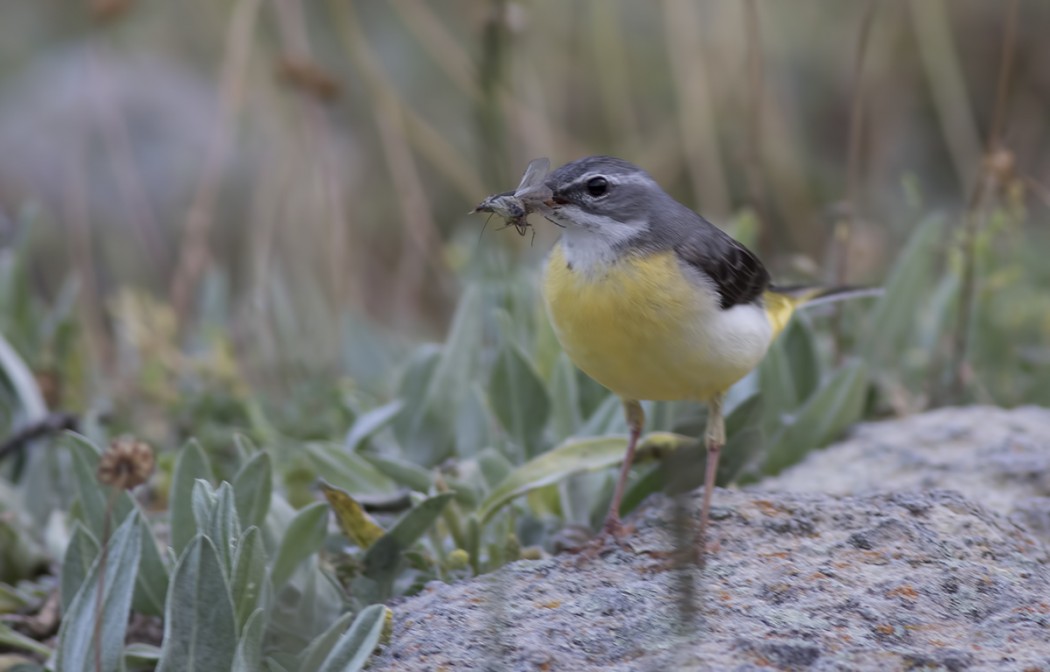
(635, 420)
(715, 438)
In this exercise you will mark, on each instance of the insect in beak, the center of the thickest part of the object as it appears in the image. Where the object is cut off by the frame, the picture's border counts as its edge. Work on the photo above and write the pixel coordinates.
(532, 195)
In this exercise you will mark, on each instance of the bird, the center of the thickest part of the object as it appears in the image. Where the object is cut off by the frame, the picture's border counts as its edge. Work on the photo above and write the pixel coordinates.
(654, 302)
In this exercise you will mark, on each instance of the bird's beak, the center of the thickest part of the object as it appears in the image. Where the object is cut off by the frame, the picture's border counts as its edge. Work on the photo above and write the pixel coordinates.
(556, 198)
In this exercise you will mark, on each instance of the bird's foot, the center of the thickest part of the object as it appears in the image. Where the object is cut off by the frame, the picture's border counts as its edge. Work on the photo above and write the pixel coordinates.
(613, 534)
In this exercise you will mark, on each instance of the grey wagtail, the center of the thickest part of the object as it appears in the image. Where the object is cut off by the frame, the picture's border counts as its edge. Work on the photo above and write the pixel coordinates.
(649, 298)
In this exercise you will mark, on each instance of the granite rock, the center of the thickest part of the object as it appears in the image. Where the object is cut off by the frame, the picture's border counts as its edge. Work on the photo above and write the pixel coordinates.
(919, 578)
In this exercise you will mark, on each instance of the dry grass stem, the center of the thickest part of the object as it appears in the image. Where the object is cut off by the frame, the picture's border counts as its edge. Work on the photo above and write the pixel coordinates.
(194, 253)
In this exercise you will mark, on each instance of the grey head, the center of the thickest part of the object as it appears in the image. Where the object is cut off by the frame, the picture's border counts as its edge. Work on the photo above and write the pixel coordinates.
(606, 204)
(588, 190)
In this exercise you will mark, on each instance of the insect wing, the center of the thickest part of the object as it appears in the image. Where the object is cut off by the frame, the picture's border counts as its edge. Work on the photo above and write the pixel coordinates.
(532, 181)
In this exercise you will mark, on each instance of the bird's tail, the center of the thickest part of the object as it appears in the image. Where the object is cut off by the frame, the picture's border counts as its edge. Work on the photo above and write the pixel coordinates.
(781, 302)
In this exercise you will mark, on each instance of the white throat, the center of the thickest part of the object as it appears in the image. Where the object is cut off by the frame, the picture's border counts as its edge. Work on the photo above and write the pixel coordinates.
(590, 242)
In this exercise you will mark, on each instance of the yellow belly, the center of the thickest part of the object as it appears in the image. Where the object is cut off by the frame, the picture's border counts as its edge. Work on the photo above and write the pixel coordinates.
(644, 330)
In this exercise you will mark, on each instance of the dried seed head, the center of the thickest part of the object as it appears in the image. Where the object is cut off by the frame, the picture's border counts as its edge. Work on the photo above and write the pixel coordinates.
(128, 463)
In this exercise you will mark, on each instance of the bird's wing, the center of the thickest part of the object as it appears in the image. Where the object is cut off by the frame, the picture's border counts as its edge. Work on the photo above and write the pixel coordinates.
(735, 271)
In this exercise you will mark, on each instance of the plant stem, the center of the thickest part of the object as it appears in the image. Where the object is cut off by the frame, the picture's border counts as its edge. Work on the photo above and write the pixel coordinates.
(843, 228)
(96, 635)
(972, 220)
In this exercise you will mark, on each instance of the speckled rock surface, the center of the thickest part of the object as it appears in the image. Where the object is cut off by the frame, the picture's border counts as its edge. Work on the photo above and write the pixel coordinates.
(997, 457)
(899, 581)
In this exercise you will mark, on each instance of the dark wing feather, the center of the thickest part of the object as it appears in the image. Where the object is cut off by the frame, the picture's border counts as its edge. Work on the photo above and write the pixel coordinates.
(736, 272)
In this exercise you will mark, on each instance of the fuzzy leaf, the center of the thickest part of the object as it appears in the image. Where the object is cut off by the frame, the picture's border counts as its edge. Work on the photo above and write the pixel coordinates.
(76, 638)
(350, 471)
(777, 384)
(21, 380)
(420, 430)
(203, 503)
(355, 647)
(607, 418)
(80, 554)
(565, 398)
(459, 355)
(223, 527)
(253, 489)
(318, 651)
(140, 655)
(371, 422)
(249, 575)
(192, 464)
(152, 585)
(836, 405)
(801, 353)
(893, 317)
(304, 537)
(519, 399)
(200, 633)
(382, 559)
(400, 471)
(248, 657)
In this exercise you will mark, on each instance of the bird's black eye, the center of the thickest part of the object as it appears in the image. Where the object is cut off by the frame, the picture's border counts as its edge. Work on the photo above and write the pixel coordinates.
(597, 186)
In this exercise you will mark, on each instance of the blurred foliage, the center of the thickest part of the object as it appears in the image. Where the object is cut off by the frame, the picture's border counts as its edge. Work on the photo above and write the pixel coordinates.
(337, 331)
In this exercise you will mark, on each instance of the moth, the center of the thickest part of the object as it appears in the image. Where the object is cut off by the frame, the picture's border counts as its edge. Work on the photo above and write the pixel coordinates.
(531, 196)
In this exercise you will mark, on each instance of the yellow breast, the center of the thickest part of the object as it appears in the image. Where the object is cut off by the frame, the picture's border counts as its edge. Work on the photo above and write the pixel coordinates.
(643, 329)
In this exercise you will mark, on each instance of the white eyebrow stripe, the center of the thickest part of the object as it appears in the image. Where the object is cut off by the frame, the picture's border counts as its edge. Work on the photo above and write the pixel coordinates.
(630, 178)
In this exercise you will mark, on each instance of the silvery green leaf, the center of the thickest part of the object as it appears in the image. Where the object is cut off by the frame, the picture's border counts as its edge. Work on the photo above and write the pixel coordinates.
(607, 418)
(139, 655)
(202, 501)
(371, 422)
(893, 317)
(21, 380)
(459, 356)
(245, 447)
(777, 385)
(76, 639)
(837, 404)
(304, 537)
(350, 471)
(249, 574)
(355, 647)
(402, 472)
(318, 651)
(383, 558)
(519, 399)
(253, 486)
(248, 657)
(473, 425)
(152, 584)
(80, 554)
(200, 632)
(420, 430)
(801, 350)
(223, 527)
(191, 465)
(565, 398)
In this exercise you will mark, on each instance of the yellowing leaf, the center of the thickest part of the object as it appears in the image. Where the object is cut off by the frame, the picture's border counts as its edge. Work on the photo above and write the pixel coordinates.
(355, 523)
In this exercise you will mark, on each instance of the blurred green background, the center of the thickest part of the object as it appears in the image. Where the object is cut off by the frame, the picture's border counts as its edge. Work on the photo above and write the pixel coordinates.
(245, 222)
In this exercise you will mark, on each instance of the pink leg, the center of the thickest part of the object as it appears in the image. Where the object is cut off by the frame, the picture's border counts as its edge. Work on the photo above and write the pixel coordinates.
(715, 439)
(635, 420)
